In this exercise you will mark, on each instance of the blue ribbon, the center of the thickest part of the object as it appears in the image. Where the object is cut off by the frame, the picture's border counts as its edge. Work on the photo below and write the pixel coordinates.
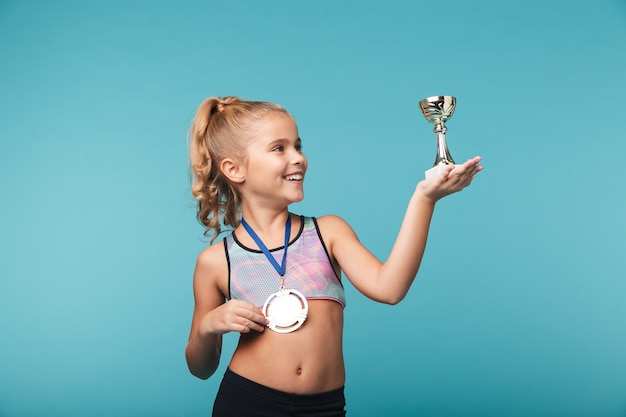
(279, 268)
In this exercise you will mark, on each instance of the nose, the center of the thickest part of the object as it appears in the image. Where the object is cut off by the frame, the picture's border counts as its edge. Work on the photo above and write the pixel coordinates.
(298, 158)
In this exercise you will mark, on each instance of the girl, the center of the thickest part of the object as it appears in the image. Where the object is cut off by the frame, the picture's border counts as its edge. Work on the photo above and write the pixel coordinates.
(275, 279)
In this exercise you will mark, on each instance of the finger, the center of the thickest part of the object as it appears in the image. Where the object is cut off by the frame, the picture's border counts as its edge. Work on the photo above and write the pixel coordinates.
(252, 325)
(472, 162)
(241, 325)
(247, 320)
(254, 314)
(245, 309)
(475, 170)
(256, 326)
(472, 166)
(240, 328)
(446, 173)
(245, 327)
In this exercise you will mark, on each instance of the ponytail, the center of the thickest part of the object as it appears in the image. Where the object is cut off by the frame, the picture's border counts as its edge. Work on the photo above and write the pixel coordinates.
(221, 129)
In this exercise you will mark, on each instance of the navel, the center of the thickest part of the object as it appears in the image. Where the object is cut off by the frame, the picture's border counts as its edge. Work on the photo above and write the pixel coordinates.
(299, 371)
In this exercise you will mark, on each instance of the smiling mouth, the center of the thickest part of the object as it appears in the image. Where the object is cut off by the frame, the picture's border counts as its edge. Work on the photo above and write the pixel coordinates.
(294, 177)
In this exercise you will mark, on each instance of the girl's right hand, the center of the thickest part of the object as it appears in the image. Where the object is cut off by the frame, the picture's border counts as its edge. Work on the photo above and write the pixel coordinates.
(233, 316)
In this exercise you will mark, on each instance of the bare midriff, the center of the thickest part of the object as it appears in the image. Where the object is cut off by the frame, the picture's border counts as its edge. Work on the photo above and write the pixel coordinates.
(308, 360)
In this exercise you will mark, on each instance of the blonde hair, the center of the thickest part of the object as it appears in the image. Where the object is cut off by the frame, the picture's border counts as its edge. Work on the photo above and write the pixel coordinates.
(221, 129)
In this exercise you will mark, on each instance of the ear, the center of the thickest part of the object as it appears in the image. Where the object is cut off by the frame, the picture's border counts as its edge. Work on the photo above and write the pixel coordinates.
(233, 171)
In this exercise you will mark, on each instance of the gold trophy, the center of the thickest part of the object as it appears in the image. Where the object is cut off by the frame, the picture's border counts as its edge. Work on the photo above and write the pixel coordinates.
(437, 110)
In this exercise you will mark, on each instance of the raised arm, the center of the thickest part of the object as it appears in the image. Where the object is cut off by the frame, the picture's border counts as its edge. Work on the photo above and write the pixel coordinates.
(389, 282)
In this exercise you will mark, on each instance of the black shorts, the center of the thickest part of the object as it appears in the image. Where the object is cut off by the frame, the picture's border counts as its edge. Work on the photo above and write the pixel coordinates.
(240, 397)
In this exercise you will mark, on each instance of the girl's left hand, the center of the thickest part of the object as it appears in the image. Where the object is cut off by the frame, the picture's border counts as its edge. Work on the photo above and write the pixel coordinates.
(452, 180)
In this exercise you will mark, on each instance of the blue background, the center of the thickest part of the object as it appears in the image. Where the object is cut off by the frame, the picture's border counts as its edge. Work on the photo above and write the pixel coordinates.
(519, 307)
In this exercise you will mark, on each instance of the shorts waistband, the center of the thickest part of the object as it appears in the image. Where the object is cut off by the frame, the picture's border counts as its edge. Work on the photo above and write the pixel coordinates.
(255, 388)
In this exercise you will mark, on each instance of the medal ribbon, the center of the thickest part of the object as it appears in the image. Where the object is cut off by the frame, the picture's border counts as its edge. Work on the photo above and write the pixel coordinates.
(279, 268)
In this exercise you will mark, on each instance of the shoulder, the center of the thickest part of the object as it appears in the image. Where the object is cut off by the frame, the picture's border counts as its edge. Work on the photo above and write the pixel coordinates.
(341, 241)
(333, 227)
(212, 266)
(331, 220)
(212, 256)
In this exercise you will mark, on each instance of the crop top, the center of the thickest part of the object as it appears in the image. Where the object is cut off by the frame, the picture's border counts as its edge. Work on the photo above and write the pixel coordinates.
(252, 278)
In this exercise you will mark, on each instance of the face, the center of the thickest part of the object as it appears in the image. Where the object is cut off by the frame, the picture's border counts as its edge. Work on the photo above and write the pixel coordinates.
(275, 165)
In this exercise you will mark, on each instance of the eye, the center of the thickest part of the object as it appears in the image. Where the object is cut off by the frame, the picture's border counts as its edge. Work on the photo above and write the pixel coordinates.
(278, 148)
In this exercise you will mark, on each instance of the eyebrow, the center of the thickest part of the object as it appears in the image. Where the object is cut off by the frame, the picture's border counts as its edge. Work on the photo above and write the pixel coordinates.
(284, 140)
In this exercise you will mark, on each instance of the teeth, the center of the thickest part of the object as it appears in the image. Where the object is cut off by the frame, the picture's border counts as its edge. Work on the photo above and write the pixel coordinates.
(295, 177)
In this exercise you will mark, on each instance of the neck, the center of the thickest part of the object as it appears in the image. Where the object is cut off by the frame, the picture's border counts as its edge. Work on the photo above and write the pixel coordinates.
(266, 221)
(267, 224)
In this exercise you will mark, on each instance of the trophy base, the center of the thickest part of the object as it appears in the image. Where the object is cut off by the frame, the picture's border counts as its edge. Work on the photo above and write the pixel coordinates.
(436, 170)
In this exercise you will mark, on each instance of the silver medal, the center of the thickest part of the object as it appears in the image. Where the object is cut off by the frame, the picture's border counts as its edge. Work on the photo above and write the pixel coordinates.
(286, 310)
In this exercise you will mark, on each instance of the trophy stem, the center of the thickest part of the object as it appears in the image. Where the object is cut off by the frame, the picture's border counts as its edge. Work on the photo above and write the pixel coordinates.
(443, 154)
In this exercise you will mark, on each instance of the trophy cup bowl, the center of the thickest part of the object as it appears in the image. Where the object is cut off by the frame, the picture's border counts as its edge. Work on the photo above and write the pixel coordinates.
(437, 110)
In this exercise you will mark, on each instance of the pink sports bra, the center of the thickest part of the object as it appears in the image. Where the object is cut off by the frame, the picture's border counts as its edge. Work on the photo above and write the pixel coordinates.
(252, 278)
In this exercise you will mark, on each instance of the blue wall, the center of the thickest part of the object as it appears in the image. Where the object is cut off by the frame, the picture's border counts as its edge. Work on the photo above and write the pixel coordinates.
(519, 307)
